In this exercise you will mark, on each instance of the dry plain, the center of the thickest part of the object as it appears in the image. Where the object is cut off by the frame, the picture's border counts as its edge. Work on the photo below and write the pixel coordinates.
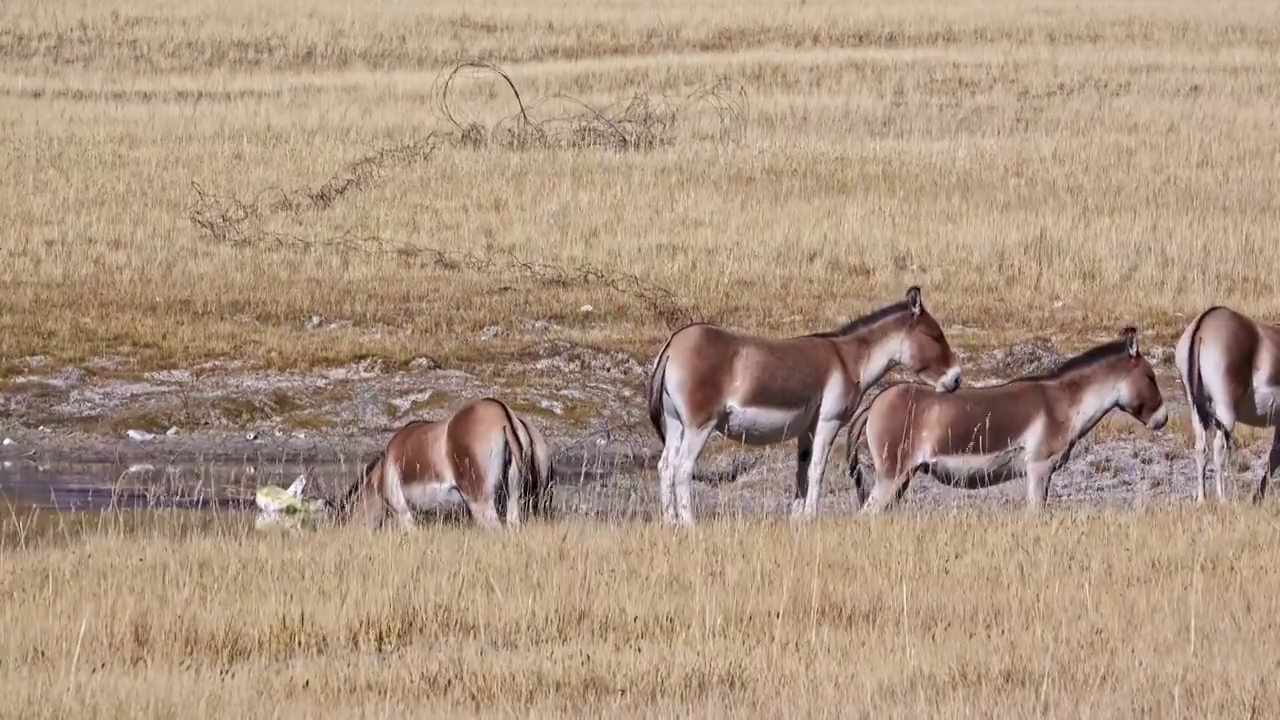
(273, 218)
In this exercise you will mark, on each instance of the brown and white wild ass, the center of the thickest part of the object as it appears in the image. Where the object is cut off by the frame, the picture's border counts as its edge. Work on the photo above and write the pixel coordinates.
(982, 436)
(1229, 365)
(482, 456)
(760, 391)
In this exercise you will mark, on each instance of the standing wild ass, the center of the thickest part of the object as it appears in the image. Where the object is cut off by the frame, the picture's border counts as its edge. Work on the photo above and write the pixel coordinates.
(483, 454)
(761, 391)
(983, 436)
(1229, 365)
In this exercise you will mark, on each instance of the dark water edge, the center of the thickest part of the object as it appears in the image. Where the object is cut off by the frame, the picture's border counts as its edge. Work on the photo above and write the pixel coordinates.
(50, 497)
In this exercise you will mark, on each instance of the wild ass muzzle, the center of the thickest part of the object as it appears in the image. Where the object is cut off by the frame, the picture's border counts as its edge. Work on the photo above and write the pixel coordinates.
(977, 437)
(761, 391)
(1229, 365)
(483, 457)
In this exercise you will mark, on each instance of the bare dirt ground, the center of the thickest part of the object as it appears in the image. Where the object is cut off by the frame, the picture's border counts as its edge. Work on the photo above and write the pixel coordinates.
(589, 402)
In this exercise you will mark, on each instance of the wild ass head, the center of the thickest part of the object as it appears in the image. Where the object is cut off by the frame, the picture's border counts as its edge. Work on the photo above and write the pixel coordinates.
(924, 349)
(1136, 390)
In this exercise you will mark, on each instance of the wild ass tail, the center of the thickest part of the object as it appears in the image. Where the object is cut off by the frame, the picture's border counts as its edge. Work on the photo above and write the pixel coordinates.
(517, 462)
(364, 497)
(856, 427)
(657, 379)
(545, 484)
(542, 472)
(1195, 381)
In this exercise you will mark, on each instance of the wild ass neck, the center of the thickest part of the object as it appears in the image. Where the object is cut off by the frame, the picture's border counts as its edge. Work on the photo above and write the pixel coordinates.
(1091, 400)
(870, 353)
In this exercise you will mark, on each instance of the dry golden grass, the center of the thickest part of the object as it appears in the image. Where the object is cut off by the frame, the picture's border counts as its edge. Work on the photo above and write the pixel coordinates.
(1056, 165)
(1163, 614)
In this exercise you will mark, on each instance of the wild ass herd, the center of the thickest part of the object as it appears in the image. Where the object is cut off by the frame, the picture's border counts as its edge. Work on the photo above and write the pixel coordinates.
(760, 391)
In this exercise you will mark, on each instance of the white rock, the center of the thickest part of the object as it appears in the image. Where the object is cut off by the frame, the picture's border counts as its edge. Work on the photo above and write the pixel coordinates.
(8, 441)
(139, 435)
(171, 431)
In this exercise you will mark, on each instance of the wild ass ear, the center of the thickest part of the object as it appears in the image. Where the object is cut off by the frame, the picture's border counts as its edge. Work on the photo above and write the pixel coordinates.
(1130, 335)
(914, 301)
(295, 488)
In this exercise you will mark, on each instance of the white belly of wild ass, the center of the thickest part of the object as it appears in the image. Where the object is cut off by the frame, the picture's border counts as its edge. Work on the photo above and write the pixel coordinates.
(430, 496)
(762, 425)
(972, 472)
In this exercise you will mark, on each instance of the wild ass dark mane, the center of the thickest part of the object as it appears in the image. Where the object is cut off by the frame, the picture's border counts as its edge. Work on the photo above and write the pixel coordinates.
(1084, 360)
(865, 321)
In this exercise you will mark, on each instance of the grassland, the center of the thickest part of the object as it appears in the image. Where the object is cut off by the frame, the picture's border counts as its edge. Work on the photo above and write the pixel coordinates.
(1038, 167)
(1051, 167)
(1164, 614)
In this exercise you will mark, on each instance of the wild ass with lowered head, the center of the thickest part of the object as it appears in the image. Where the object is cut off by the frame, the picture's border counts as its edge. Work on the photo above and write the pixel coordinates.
(761, 391)
(982, 436)
(483, 456)
(1229, 365)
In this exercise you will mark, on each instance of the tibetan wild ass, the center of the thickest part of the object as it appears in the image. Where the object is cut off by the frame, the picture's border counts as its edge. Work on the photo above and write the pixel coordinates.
(982, 436)
(483, 455)
(1230, 370)
(761, 391)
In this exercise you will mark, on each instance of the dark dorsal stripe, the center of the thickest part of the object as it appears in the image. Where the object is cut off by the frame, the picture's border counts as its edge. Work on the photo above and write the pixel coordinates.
(865, 321)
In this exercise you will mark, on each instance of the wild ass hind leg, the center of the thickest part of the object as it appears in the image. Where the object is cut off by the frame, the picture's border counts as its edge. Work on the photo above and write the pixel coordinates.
(393, 487)
(1273, 464)
(667, 468)
(692, 442)
(1038, 476)
(515, 478)
(823, 438)
(1222, 446)
(887, 492)
(893, 472)
(1201, 457)
(485, 512)
(892, 478)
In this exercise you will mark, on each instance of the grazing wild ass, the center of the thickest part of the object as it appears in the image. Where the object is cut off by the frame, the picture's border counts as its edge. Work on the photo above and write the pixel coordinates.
(982, 436)
(761, 391)
(483, 455)
(1229, 365)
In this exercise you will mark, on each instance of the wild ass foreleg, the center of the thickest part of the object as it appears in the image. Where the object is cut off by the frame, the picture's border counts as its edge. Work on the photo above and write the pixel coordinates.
(1273, 464)
(823, 438)
(804, 456)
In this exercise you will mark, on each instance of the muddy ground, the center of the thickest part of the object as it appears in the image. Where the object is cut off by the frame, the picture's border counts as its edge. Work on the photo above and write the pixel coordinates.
(108, 423)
